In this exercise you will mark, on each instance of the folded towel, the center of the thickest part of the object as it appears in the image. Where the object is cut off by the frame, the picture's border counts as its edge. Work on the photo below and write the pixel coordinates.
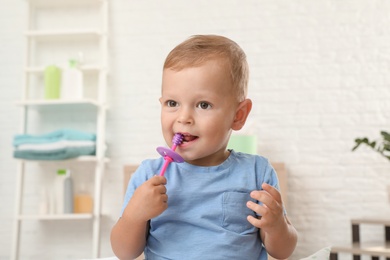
(60, 154)
(54, 146)
(62, 134)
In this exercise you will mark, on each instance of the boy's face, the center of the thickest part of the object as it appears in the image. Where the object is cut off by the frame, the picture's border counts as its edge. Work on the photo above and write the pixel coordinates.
(200, 103)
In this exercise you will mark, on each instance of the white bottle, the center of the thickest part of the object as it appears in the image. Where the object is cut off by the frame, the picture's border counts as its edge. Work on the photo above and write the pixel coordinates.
(68, 194)
(59, 191)
(64, 192)
(72, 81)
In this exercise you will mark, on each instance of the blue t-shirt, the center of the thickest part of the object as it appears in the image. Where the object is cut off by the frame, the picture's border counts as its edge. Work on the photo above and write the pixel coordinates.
(206, 214)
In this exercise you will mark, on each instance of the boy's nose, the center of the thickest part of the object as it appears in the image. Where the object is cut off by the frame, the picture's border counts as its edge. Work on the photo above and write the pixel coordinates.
(185, 117)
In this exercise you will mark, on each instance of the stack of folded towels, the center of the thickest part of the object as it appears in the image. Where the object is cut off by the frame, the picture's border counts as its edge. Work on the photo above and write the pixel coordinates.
(58, 145)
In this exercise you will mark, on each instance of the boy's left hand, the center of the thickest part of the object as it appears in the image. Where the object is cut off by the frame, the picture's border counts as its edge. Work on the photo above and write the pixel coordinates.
(271, 212)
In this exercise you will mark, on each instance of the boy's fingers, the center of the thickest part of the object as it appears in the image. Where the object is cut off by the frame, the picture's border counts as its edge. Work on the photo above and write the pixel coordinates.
(265, 198)
(256, 207)
(162, 189)
(262, 196)
(273, 191)
(158, 180)
(164, 198)
(254, 221)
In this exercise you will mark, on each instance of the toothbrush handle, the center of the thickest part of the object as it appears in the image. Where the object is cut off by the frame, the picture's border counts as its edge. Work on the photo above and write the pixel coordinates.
(165, 166)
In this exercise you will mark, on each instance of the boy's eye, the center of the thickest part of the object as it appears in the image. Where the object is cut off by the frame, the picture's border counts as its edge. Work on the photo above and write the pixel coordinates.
(171, 103)
(204, 105)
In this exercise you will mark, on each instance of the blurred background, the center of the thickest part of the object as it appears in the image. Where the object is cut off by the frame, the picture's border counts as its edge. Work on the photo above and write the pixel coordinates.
(319, 78)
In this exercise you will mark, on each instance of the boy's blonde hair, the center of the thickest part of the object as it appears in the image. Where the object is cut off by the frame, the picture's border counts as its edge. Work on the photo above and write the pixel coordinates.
(198, 49)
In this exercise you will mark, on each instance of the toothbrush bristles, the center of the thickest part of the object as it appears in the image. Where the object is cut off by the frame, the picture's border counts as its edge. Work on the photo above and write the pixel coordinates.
(177, 139)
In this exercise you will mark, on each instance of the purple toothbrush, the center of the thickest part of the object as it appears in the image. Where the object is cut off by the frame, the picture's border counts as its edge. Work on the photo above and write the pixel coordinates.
(169, 154)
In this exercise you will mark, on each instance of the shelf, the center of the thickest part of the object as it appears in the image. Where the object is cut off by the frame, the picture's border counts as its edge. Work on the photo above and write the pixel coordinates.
(88, 159)
(373, 221)
(83, 68)
(56, 28)
(64, 34)
(59, 102)
(78, 159)
(61, 3)
(55, 217)
(366, 248)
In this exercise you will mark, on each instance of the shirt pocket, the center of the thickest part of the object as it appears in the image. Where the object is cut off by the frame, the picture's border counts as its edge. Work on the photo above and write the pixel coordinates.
(235, 212)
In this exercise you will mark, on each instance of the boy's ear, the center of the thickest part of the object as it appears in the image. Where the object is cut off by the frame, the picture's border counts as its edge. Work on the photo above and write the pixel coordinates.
(242, 112)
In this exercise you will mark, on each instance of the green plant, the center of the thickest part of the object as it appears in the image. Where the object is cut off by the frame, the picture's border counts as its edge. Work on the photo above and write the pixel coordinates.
(382, 146)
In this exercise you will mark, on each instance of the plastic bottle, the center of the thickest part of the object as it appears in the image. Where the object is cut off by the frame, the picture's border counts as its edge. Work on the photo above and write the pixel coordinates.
(52, 82)
(68, 194)
(72, 81)
(64, 192)
(83, 202)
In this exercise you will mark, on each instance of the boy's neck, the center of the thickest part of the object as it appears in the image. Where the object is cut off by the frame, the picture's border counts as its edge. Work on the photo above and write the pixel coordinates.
(212, 160)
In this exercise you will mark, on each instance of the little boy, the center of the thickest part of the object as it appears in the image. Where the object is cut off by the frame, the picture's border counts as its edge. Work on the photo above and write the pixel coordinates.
(218, 204)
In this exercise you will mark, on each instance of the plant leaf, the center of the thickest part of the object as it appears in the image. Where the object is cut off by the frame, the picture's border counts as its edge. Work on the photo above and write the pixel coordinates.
(386, 136)
(382, 147)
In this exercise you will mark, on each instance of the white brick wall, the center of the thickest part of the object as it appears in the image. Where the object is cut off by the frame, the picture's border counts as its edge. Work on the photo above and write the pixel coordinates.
(319, 78)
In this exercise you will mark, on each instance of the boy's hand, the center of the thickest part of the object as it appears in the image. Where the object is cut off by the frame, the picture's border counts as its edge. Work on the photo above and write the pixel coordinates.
(271, 211)
(149, 200)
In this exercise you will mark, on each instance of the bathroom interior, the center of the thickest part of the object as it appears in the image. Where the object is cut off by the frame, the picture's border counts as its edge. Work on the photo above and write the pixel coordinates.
(319, 80)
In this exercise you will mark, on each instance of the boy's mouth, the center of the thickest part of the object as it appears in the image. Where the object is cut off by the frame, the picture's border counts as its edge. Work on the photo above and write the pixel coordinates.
(189, 138)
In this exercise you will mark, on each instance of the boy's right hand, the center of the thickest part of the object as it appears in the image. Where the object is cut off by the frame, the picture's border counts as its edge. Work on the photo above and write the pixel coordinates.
(149, 200)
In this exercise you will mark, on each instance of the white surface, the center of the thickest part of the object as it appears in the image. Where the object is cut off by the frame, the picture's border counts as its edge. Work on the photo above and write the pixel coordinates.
(319, 77)
(322, 254)
(40, 42)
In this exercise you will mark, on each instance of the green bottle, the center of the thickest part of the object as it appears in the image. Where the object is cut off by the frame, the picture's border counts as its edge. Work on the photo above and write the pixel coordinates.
(243, 143)
(52, 83)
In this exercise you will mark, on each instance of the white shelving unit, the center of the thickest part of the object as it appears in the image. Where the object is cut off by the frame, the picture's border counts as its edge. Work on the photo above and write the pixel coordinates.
(53, 102)
(40, 34)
